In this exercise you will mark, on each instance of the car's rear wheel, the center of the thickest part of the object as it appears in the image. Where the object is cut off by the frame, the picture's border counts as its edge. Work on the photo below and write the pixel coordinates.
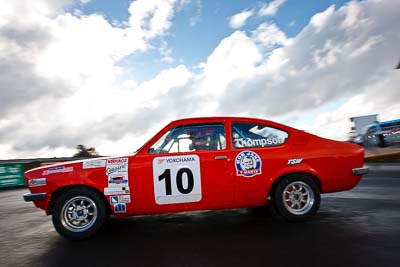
(297, 197)
(79, 213)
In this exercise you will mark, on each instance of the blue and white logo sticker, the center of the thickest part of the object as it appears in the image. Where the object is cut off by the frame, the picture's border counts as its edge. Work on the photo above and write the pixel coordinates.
(114, 199)
(248, 164)
(120, 208)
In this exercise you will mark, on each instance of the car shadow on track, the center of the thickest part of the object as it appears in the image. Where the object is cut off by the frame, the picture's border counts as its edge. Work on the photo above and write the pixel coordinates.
(240, 237)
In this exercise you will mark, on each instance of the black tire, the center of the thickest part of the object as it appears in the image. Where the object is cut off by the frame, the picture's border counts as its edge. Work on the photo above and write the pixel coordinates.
(297, 197)
(381, 141)
(79, 213)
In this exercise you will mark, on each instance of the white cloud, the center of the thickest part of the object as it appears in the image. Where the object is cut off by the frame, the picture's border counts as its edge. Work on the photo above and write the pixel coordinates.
(269, 35)
(319, 20)
(150, 18)
(234, 58)
(66, 67)
(327, 55)
(336, 124)
(61, 84)
(318, 67)
(239, 20)
(270, 9)
(367, 45)
(353, 16)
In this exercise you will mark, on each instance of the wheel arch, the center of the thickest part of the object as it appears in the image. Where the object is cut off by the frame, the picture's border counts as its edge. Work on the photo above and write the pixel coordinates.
(59, 191)
(283, 176)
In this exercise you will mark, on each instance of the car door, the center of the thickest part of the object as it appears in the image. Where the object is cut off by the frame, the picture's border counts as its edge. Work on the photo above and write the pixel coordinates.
(185, 169)
(257, 151)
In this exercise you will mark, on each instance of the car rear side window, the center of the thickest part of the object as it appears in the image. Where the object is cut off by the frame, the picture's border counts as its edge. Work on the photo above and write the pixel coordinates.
(246, 134)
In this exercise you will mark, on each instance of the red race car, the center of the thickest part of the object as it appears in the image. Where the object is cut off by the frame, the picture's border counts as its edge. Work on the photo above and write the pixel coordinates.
(197, 164)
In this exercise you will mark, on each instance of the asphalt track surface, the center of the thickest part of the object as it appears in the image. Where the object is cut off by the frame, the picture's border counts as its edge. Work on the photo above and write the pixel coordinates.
(360, 227)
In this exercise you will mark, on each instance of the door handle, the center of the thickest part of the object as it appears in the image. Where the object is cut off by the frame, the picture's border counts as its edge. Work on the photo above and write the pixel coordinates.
(220, 157)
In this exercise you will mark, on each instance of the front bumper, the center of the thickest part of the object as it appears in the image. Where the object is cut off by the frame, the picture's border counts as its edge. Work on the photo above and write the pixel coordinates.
(35, 197)
(360, 171)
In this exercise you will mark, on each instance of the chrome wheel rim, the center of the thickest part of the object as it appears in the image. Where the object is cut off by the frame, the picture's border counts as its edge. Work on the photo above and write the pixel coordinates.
(79, 214)
(298, 198)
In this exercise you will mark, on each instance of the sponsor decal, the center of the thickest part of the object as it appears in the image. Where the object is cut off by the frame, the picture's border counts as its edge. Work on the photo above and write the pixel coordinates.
(116, 190)
(117, 166)
(117, 172)
(94, 164)
(294, 161)
(274, 141)
(117, 180)
(124, 198)
(116, 169)
(120, 208)
(181, 159)
(177, 179)
(120, 199)
(117, 161)
(37, 182)
(58, 170)
(114, 199)
(248, 164)
(160, 161)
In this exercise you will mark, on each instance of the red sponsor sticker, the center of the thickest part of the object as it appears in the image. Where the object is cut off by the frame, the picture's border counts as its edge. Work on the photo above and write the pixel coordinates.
(117, 161)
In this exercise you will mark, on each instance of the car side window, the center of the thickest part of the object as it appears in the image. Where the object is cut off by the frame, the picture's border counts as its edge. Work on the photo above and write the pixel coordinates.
(246, 134)
(191, 137)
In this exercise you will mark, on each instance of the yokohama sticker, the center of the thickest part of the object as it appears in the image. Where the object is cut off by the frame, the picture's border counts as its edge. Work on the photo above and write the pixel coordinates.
(248, 164)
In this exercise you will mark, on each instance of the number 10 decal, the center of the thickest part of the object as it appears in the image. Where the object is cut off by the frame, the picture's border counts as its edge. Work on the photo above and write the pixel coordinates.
(177, 179)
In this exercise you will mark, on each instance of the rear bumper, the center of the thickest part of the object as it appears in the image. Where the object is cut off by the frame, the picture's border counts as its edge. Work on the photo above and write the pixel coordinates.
(35, 197)
(360, 171)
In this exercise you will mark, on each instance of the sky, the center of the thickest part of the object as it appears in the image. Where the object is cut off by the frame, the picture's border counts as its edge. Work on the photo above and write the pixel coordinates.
(110, 74)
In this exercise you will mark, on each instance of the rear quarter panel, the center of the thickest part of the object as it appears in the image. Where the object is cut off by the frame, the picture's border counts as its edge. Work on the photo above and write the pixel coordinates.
(330, 161)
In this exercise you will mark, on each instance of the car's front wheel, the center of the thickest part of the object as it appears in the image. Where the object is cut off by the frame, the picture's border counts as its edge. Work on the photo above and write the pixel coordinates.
(79, 213)
(297, 197)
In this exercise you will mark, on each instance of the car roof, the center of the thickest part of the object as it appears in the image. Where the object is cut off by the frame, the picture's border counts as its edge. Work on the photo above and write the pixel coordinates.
(221, 118)
(228, 118)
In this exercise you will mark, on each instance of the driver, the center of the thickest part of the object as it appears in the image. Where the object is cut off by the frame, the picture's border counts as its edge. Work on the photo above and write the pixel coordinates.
(200, 141)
